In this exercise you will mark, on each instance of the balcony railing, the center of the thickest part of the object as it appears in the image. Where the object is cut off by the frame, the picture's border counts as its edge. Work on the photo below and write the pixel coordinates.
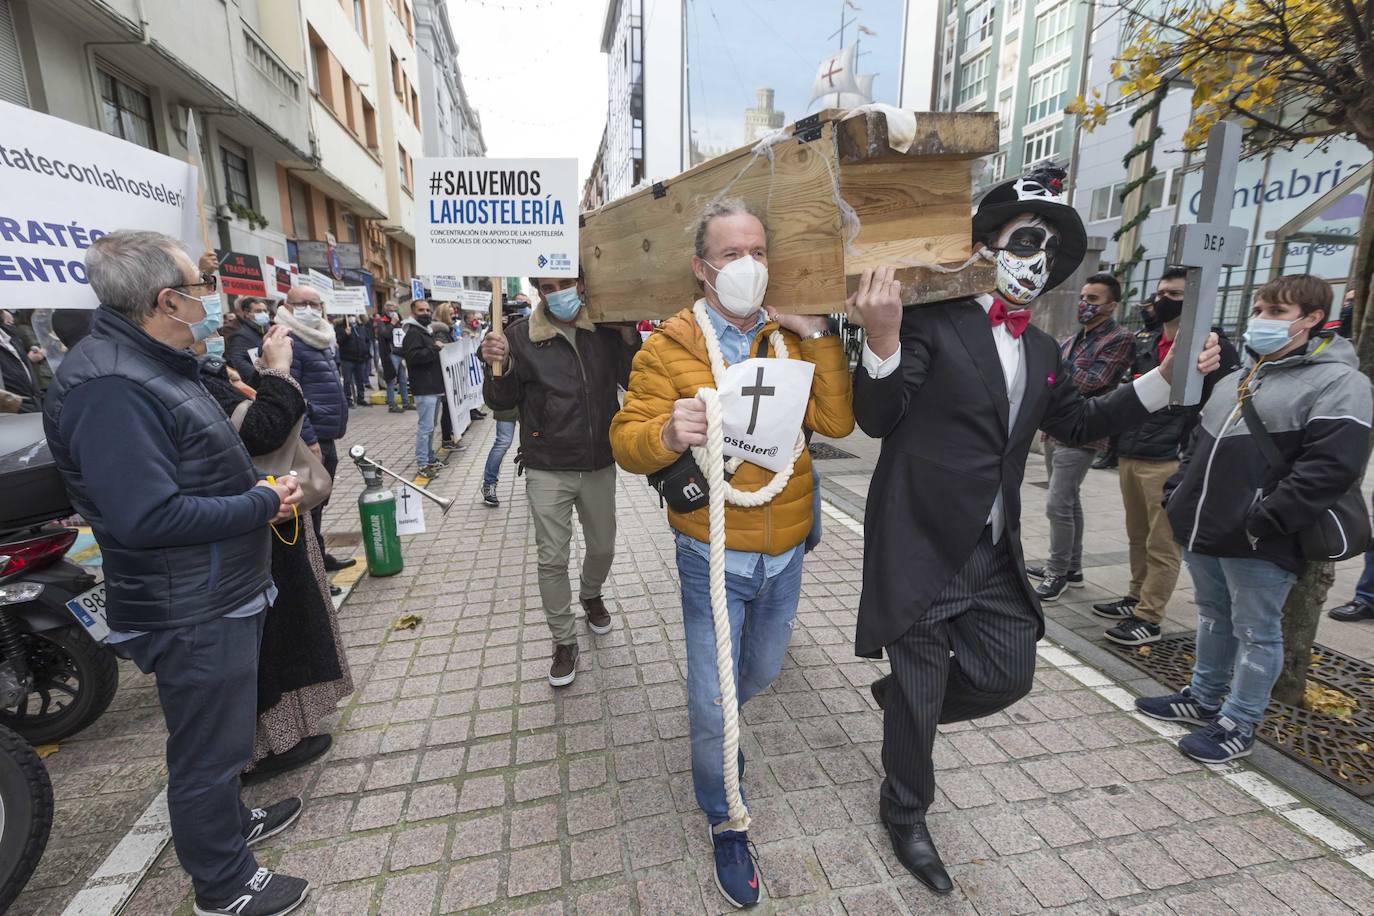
(270, 65)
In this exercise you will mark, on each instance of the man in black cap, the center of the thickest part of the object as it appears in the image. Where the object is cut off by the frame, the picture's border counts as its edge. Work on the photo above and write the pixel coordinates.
(957, 390)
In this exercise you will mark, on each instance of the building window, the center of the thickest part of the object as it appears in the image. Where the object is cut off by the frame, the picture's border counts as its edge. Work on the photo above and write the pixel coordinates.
(415, 107)
(1047, 92)
(973, 79)
(978, 23)
(320, 82)
(998, 167)
(370, 124)
(299, 194)
(404, 166)
(1040, 145)
(350, 224)
(360, 18)
(1004, 112)
(126, 111)
(1053, 32)
(1107, 203)
(237, 184)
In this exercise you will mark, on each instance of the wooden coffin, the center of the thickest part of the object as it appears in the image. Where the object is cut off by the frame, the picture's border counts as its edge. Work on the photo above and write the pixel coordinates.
(913, 209)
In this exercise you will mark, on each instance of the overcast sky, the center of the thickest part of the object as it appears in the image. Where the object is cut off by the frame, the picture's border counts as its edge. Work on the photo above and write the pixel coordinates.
(535, 72)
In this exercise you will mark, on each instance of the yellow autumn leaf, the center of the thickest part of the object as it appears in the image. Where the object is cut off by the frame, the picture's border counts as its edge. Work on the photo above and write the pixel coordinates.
(407, 622)
(44, 751)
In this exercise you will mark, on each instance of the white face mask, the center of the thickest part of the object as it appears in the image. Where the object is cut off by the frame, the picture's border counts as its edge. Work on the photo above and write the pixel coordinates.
(308, 315)
(740, 286)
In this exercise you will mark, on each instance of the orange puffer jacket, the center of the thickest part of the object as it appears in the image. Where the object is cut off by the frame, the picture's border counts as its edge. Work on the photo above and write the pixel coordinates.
(673, 364)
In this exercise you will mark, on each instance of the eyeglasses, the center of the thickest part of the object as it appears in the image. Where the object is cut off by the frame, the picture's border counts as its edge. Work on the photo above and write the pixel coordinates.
(210, 280)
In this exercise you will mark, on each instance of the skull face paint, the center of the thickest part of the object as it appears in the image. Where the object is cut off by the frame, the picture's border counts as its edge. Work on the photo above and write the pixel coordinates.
(1025, 249)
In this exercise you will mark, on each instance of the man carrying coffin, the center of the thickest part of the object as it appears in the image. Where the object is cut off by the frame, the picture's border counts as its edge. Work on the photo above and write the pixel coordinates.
(957, 391)
(764, 541)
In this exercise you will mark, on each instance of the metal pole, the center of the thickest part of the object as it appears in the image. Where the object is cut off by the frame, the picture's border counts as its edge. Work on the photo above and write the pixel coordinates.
(1084, 68)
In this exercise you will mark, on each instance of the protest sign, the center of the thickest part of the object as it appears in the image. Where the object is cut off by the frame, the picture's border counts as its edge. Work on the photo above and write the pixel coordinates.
(497, 217)
(445, 287)
(462, 366)
(410, 511)
(61, 187)
(320, 284)
(241, 274)
(417, 288)
(279, 277)
(350, 300)
(764, 402)
(474, 300)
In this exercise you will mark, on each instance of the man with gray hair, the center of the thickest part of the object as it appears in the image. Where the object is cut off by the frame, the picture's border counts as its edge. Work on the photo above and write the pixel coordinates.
(174, 501)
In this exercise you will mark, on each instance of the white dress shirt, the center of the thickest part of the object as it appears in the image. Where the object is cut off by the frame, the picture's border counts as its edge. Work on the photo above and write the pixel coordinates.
(1151, 387)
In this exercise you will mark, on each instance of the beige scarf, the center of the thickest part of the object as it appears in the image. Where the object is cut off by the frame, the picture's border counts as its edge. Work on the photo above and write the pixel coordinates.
(321, 338)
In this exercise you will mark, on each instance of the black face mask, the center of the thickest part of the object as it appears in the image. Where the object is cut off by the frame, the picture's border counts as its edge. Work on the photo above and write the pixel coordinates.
(424, 320)
(1167, 309)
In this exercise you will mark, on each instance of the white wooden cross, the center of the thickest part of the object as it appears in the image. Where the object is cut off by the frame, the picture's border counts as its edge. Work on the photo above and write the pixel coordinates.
(1204, 248)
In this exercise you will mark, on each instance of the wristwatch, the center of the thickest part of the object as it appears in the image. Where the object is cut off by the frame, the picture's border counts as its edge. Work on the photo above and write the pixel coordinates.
(817, 335)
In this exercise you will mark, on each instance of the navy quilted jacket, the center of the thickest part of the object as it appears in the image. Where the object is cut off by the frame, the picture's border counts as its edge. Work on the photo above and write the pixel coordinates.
(326, 414)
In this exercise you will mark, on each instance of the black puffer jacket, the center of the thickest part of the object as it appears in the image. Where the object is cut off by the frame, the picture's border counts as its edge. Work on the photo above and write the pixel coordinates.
(1165, 433)
(247, 337)
(421, 353)
(566, 397)
(355, 344)
(155, 466)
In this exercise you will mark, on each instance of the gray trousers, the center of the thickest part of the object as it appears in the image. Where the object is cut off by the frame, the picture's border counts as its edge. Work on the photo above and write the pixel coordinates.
(971, 654)
(1067, 466)
(553, 495)
(207, 683)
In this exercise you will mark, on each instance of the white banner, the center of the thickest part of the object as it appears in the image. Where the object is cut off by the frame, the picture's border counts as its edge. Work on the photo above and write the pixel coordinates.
(462, 366)
(764, 403)
(497, 217)
(63, 186)
(350, 300)
(321, 284)
(474, 300)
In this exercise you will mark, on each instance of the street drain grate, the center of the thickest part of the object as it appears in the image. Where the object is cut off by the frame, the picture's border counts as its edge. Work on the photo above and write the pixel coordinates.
(1338, 749)
(820, 451)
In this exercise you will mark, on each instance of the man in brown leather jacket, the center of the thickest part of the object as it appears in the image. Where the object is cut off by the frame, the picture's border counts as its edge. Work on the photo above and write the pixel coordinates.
(561, 372)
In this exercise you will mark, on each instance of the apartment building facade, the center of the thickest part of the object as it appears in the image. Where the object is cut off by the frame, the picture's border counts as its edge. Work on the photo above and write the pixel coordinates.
(645, 136)
(306, 136)
(450, 125)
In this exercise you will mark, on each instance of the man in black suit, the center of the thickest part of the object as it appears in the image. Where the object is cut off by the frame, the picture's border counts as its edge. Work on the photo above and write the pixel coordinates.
(957, 390)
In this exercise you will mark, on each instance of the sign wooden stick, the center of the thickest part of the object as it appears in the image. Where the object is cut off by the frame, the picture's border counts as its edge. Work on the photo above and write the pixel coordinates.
(496, 299)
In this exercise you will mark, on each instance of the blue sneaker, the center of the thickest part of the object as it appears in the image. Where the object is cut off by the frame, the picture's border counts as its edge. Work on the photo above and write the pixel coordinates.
(1178, 707)
(737, 875)
(1219, 742)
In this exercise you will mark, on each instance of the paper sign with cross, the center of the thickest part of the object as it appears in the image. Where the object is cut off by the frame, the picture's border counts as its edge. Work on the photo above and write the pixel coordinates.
(763, 402)
(1205, 247)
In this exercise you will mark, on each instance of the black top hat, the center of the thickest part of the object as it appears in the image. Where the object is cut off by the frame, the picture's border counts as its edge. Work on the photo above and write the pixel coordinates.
(1039, 191)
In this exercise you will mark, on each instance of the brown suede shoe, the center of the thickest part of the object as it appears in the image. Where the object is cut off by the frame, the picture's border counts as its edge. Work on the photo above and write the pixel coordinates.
(598, 618)
(564, 667)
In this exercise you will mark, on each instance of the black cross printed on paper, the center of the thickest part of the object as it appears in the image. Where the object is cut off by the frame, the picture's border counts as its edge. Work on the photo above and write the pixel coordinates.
(405, 500)
(757, 391)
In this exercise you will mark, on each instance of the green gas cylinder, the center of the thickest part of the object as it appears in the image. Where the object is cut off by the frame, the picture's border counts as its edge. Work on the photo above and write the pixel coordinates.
(381, 543)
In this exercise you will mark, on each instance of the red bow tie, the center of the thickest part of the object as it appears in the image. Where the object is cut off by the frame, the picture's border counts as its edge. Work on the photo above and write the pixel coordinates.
(1015, 321)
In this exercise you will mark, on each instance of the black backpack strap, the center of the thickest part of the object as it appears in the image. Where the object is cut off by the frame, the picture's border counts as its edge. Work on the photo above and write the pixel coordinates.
(1260, 434)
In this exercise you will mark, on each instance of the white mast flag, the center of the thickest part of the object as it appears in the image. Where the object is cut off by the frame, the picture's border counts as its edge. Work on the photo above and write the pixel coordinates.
(849, 100)
(195, 231)
(836, 75)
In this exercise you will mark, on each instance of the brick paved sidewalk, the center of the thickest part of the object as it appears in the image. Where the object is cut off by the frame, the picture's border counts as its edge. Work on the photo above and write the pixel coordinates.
(460, 780)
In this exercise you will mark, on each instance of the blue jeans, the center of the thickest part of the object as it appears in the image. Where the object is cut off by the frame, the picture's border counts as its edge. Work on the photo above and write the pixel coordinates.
(762, 614)
(1239, 633)
(427, 410)
(399, 382)
(505, 434)
(1364, 589)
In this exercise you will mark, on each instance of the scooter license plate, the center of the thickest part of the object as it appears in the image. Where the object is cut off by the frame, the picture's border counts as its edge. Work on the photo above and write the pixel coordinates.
(89, 610)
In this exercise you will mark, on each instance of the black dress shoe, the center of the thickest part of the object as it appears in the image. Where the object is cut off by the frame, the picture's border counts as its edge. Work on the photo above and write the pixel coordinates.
(335, 591)
(1105, 462)
(308, 749)
(334, 564)
(879, 690)
(1355, 611)
(916, 851)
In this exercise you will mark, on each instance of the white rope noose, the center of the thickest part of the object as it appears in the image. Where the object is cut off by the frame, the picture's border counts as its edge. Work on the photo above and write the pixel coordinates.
(711, 458)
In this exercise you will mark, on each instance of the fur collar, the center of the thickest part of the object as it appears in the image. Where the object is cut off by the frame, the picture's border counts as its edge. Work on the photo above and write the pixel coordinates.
(542, 327)
(321, 338)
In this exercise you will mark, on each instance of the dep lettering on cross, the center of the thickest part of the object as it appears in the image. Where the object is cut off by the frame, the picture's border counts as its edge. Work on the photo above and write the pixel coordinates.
(1205, 247)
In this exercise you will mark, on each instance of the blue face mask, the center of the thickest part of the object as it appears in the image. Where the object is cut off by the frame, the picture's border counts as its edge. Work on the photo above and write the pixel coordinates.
(1267, 335)
(564, 304)
(214, 346)
(261, 319)
(214, 316)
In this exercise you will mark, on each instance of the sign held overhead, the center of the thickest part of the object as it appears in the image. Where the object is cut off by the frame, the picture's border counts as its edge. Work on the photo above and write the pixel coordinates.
(497, 217)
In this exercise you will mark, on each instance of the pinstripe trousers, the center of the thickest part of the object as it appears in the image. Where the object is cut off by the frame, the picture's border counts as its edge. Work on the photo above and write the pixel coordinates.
(970, 655)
